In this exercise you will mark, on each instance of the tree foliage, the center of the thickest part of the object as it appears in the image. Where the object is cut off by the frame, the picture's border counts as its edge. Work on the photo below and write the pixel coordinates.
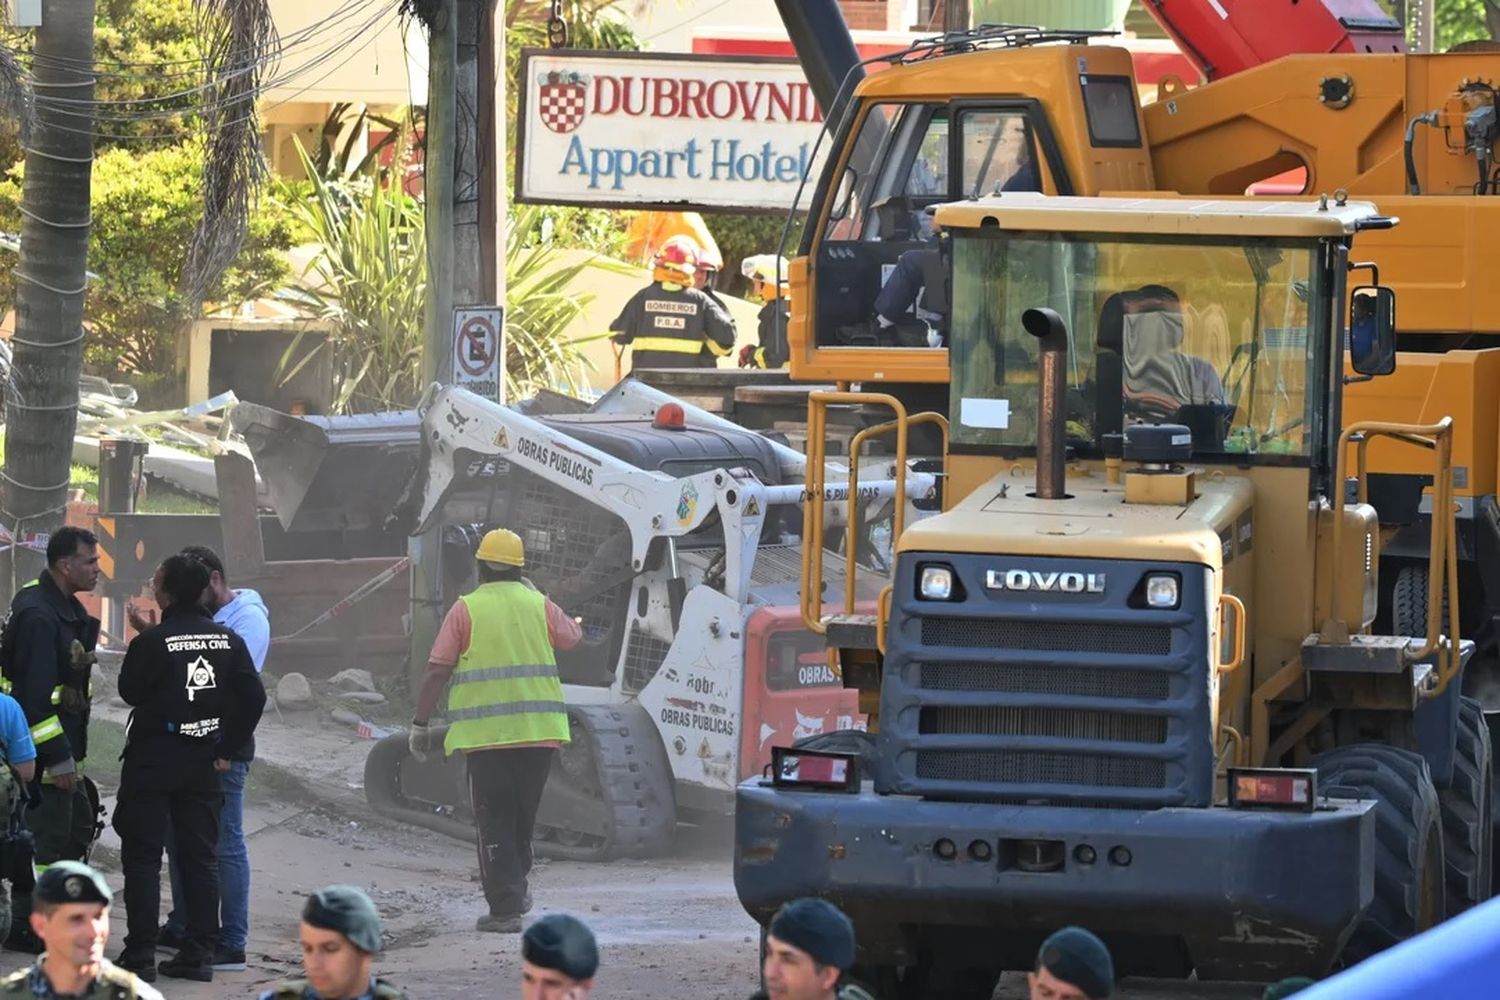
(145, 207)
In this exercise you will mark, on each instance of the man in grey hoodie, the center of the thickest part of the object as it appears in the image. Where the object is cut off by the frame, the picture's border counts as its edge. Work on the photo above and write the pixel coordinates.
(245, 613)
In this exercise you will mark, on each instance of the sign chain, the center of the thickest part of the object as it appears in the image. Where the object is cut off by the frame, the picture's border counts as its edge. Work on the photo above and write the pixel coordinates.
(557, 28)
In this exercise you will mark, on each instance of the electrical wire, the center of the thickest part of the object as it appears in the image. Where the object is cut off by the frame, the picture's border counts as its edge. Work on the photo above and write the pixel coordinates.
(280, 82)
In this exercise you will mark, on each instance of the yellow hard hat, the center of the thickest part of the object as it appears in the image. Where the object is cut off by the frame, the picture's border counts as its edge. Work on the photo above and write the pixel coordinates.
(502, 547)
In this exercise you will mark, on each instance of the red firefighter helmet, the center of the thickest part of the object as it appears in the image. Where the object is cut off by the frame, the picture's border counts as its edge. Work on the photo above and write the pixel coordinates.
(676, 261)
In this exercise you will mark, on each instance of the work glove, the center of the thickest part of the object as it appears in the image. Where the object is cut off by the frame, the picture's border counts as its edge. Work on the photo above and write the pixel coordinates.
(419, 740)
(80, 659)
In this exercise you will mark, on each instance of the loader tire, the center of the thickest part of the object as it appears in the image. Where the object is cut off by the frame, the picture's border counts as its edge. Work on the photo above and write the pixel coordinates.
(1468, 819)
(628, 772)
(1409, 870)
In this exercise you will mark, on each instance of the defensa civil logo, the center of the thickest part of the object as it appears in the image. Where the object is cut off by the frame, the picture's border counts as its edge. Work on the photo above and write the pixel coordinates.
(564, 100)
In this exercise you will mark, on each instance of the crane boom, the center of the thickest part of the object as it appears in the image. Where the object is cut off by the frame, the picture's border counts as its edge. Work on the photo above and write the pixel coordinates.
(1225, 37)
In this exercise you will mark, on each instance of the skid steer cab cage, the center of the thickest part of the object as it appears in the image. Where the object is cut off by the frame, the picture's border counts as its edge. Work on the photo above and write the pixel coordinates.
(816, 770)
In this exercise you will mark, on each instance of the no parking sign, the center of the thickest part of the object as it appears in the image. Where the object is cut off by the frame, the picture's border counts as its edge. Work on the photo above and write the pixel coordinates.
(479, 351)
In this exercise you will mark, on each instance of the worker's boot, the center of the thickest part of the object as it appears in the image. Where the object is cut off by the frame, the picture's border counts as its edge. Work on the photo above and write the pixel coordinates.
(492, 924)
(141, 963)
(189, 963)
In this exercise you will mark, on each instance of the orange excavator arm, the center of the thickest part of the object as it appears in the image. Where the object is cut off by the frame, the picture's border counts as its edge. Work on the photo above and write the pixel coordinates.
(1225, 37)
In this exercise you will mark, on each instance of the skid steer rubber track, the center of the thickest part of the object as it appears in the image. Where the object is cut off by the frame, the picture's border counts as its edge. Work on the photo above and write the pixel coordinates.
(1409, 872)
(431, 794)
(1466, 806)
(617, 764)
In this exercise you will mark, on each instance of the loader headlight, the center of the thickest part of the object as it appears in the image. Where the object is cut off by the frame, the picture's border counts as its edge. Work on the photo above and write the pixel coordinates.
(1161, 591)
(936, 583)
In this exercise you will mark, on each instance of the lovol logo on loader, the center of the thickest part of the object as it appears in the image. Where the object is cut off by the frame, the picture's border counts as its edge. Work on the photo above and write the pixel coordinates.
(1050, 582)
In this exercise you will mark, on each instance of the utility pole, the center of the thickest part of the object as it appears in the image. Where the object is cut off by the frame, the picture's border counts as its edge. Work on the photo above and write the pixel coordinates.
(465, 213)
(956, 16)
(41, 405)
(425, 551)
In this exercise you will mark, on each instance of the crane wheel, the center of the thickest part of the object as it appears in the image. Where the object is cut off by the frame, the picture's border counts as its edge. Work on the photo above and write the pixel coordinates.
(1467, 811)
(1409, 869)
(1409, 602)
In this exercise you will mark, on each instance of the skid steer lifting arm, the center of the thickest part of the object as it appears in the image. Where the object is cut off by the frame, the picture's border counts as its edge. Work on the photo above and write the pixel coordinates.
(460, 426)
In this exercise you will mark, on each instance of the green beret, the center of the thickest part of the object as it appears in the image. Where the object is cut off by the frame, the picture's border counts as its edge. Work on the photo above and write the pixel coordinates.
(347, 910)
(817, 927)
(563, 944)
(1285, 988)
(1079, 959)
(72, 882)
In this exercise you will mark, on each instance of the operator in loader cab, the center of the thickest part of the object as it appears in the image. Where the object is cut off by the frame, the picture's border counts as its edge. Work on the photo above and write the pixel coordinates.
(494, 653)
(670, 323)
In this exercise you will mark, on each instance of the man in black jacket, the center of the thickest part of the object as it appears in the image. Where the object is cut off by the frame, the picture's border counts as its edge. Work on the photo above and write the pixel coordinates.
(47, 654)
(196, 700)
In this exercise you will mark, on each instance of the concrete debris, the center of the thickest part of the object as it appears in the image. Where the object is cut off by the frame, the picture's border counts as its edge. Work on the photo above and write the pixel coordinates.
(363, 697)
(293, 691)
(353, 679)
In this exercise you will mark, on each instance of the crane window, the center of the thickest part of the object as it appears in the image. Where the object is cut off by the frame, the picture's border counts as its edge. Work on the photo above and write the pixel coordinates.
(1110, 104)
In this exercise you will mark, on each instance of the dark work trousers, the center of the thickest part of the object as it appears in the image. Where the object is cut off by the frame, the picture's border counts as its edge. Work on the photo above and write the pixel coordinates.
(62, 826)
(187, 794)
(505, 787)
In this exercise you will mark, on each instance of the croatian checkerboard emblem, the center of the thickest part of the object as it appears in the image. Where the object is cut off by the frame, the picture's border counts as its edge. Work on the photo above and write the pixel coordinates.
(562, 100)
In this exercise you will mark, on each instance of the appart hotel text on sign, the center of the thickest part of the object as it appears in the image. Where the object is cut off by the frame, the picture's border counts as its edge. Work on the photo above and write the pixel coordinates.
(663, 129)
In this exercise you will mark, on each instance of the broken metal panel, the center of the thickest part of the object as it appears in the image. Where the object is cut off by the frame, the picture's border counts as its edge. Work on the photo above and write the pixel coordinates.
(331, 473)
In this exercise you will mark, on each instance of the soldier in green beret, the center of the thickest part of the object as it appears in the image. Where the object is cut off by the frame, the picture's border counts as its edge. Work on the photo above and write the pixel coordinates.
(70, 914)
(340, 936)
(558, 959)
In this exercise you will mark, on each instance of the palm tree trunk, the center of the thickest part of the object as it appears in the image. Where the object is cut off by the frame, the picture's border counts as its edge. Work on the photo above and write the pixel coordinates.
(41, 409)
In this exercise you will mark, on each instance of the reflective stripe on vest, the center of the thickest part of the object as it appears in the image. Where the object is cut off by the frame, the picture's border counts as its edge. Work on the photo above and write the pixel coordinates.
(505, 688)
(672, 345)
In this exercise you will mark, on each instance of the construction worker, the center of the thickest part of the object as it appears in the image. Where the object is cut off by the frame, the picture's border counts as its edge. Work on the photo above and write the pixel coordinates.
(505, 713)
(559, 958)
(70, 917)
(195, 700)
(47, 658)
(1072, 964)
(244, 613)
(341, 935)
(768, 285)
(809, 950)
(671, 323)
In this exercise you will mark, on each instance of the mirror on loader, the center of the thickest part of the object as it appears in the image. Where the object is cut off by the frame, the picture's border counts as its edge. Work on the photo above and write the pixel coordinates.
(1372, 330)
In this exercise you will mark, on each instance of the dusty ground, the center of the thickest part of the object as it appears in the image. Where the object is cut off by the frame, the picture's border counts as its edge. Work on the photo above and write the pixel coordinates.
(669, 928)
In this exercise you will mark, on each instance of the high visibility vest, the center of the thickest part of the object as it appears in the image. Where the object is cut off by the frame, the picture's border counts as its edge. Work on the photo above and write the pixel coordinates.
(505, 689)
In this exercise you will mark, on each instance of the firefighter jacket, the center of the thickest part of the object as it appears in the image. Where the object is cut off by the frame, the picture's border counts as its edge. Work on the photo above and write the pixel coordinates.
(47, 652)
(669, 326)
(771, 331)
(193, 687)
(505, 689)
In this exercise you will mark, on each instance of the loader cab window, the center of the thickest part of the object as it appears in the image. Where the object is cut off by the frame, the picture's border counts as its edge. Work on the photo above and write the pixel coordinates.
(905, 159)
(1219, 335)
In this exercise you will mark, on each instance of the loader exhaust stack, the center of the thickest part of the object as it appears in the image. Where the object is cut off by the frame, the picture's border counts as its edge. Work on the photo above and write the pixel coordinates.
(1052, 428)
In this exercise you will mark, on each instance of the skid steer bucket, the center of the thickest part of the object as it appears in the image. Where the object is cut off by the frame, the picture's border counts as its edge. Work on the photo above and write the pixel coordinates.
(331, 473)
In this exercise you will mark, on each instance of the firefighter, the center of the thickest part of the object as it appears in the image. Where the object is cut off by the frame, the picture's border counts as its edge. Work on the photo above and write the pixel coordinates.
(195, 700)
(670, 323)
(494, 651)
(47, 652)
(767, 274)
